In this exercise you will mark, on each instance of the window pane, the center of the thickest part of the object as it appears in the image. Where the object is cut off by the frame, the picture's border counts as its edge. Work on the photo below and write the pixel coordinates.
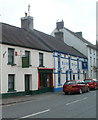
(40, 59)
(11, 56)
(26, 59)
(25, 62)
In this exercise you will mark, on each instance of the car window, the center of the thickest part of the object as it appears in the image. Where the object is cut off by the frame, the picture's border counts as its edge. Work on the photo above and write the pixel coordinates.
(70, 82)
(81, 82)
(88, 81)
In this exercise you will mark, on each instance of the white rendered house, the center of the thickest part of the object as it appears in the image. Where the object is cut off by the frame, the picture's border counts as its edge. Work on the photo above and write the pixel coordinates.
(76, 40)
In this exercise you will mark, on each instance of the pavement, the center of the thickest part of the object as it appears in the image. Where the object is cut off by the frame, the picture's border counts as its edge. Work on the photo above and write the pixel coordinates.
(17, 99)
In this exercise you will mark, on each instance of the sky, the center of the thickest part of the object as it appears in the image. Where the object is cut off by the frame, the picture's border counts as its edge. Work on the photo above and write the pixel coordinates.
(78, 15)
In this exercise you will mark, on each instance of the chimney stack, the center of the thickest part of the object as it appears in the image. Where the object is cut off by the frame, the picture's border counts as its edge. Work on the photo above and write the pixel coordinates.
(27, 22)
(60, 25)
(59, 35)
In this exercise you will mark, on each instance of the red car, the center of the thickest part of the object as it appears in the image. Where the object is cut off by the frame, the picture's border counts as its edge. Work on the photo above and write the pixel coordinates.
(93, 83)
(73, 86)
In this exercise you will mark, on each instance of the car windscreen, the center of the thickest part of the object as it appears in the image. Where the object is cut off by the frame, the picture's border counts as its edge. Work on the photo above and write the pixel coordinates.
(88, 81)
(70, 82)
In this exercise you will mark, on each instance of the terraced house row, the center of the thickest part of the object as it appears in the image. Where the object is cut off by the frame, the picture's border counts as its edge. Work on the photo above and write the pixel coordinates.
(33, 62)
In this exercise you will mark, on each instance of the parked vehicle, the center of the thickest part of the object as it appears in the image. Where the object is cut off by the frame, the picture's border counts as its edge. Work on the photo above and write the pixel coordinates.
(73, 86)
(93, 83)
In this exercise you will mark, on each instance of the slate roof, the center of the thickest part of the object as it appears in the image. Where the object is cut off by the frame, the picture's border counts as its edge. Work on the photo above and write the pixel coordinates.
(35, 39)
(81, 38)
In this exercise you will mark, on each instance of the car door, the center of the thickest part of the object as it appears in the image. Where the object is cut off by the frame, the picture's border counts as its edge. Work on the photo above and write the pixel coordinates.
(97, 83)
(83, 86)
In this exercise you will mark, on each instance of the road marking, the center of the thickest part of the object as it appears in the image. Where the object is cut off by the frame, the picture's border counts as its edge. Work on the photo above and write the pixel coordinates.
(76, 101)
(33, 114)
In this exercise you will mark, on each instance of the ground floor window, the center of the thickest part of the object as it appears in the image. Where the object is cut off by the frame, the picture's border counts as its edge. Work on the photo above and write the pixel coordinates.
(66, 75)
(45, 78)
(11, 81)
(70, 75)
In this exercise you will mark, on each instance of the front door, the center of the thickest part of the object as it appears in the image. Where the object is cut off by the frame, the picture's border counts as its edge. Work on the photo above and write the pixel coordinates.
(27, 82)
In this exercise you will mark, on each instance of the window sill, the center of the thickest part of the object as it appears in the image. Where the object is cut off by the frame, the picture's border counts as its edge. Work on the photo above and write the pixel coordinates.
(11, 91)
(26, 66)
(11, 64)
(41, 66)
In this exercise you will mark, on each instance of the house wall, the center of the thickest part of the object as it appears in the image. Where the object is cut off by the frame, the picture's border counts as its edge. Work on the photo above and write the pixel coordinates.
(51, 60)
(81, 46)
(92, 62)
(19, 71)
(65, 65)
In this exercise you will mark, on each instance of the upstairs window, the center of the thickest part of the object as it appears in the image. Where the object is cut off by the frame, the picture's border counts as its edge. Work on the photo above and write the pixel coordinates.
(94, 52)
(26, 60)
(40, 59)
(90, 51)
(10, 56)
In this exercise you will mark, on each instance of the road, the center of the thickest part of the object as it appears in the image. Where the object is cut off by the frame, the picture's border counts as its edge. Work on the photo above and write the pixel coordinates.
(54, 105)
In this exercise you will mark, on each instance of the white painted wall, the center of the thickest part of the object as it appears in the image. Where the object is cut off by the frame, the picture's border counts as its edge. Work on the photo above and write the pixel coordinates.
(64, 64)
(91, 64)
(19, 71)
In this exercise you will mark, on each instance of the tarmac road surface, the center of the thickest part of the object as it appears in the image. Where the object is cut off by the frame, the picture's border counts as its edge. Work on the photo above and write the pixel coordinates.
(53, 105)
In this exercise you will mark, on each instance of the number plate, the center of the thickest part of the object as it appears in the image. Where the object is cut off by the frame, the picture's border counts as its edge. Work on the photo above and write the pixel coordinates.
(69, 86)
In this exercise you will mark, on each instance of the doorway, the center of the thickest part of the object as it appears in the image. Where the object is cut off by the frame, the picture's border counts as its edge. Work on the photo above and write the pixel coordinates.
(45, 80)
(27, 82)
(73, 77)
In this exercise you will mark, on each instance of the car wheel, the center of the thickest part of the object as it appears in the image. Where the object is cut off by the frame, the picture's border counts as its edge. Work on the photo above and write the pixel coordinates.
(95, 88)
(80, 91)
(66, 93)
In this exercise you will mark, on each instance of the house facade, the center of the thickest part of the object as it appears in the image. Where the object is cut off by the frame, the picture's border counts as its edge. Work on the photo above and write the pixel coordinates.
(23, 71)
(76, 40)
(34, 62)
(68, 67)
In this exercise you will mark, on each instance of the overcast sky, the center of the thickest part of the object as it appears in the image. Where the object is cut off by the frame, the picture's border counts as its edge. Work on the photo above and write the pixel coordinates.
(78, 15)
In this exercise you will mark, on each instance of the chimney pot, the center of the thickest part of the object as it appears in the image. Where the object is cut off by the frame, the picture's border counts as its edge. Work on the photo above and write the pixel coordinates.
(25, 14)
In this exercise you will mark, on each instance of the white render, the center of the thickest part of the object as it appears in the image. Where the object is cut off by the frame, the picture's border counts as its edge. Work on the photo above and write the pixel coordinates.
(19, 71)
(49, 62)
(64, 66)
